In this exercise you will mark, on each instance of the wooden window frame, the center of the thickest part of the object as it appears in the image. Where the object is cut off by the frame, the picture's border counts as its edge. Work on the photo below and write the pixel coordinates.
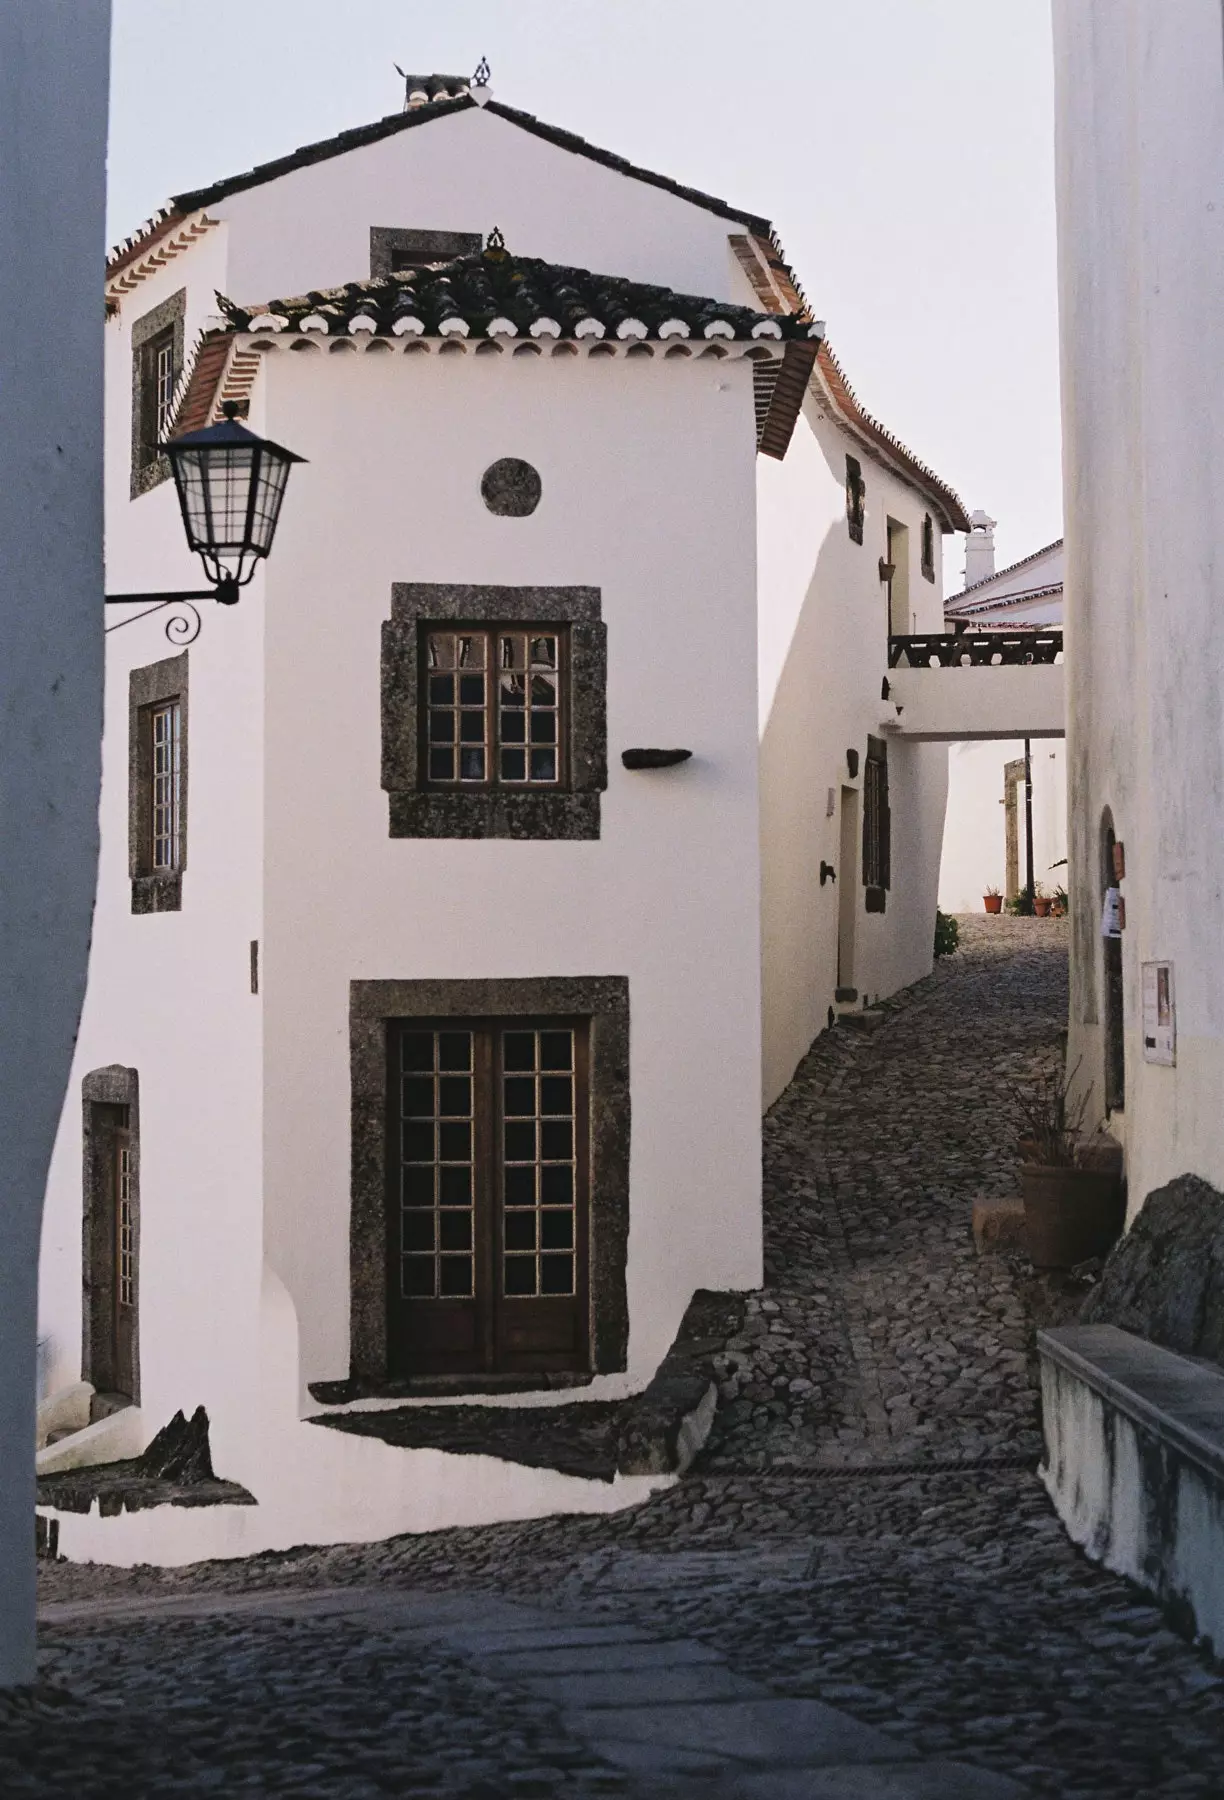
(602, 1001)
(105, 1093)
(928, 548)
(569, 809)
(493, 743)
(877, 826)
(152, 690)
(856, 499)
(158, 332)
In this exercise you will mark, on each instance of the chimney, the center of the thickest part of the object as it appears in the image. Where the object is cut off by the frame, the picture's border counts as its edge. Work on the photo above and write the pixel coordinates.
(979, 548)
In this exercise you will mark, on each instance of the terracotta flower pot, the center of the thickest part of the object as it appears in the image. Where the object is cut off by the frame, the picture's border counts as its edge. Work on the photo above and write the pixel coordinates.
(993, 902)
(1070, 1215)
(1041, 907)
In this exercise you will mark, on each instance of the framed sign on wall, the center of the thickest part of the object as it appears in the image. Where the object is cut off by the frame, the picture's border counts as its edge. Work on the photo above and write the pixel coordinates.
(1159, 1014)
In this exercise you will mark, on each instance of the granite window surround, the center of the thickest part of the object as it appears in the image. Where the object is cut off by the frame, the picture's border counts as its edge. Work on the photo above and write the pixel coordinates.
(150, 687)
(112, 1086)
(150, 471)
(394, 248)
(603, 1000)
(418, 811)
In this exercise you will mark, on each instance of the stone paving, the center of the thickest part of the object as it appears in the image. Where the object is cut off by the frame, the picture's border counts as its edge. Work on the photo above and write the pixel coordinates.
(864, 1532)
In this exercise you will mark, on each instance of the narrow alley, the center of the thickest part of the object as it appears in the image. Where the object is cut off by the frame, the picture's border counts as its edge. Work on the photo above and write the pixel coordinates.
(864, 1531)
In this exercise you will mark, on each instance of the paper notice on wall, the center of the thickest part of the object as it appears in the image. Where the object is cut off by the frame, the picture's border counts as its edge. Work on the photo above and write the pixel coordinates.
(1159, 1014)
(1111, 914)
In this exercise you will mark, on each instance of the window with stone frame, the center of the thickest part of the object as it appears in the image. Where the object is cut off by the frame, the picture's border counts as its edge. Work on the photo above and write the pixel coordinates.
(928, 548)
(877, 826)
(399, 250)
(157, 365)
(493, 712)
(157, 784)
(856, 499)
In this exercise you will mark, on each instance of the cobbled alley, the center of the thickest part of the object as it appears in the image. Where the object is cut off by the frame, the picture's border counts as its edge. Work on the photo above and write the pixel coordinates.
(860, 1588)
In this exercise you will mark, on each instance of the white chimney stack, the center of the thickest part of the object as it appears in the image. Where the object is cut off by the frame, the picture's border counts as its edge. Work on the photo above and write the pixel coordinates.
(979, 548)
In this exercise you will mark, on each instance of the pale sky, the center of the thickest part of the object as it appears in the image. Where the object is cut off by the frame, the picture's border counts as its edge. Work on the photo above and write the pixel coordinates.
(902, 148)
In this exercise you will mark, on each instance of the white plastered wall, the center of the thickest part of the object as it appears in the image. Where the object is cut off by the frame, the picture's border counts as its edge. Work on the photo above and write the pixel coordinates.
(647, 471)
(824, 656)
(1140, 174)
(975, 832)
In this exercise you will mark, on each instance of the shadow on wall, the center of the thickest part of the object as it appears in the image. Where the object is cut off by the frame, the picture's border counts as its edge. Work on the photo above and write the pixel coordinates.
(827, 700)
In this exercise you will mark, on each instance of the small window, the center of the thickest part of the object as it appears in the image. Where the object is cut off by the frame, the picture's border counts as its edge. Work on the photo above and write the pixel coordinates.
(856, 499)
(928, 548)
(157, 777)
(157, 364)
(877, 825)
(494, 714)
(400, 251)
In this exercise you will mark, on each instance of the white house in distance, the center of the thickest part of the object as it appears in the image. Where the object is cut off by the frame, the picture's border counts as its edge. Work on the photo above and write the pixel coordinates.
(434, 995)
(984, 843)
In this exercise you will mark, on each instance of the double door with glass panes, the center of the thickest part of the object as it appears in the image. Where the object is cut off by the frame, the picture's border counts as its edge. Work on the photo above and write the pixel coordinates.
(487, 1197)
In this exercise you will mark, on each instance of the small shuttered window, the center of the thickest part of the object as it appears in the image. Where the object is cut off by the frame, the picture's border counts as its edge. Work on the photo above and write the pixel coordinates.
(877, 825)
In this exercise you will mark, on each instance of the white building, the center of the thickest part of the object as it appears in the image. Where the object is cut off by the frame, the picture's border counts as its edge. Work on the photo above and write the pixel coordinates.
(984, 831)
(332, 873)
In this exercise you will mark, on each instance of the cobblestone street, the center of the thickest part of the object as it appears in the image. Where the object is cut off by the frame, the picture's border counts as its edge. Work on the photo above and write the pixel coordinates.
(864, 1529)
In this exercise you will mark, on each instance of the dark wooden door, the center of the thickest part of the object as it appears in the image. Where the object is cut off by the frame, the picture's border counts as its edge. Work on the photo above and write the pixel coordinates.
(487, 1197)
(114, 1279)
(124, 1266)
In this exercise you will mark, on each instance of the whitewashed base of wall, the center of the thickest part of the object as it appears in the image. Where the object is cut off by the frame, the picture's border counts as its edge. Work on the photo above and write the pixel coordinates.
(1135, 1465)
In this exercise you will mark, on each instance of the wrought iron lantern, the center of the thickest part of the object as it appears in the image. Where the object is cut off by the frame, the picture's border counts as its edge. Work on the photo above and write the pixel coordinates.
(230, 487)
(231, 484)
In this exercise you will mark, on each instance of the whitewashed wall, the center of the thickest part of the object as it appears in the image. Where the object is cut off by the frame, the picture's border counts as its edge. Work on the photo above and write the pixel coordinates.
(975, 833)
(1140, 176)
(824, 656)
(648, 471)
(53, 107)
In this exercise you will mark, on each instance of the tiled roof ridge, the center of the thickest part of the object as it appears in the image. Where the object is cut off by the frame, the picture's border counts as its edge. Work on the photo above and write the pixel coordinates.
(356, 137)
(848, 405)
(1010, 569)
(496, 294)
(985, 604)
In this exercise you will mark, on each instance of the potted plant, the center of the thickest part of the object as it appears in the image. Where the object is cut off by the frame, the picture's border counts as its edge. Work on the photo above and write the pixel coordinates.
(1058, 904)
(1021, 904)
(992, 900)
(1041, 901)
(1071, 1183)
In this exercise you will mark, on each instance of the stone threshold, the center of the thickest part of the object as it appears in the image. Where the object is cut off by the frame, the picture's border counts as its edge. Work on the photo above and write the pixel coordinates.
(438, 1387)
(656, 1432)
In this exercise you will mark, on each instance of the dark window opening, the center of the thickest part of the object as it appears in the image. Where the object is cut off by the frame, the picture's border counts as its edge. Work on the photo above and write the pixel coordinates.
(157, 779)
(111, 1238)
(402, 251)
(1114, 1034)
(856, 499)
(877, 825)
(928, 548)
(488, 1190)
(157, 365)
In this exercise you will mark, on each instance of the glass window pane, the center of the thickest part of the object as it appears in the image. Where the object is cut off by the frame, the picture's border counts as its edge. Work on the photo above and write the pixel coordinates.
(471, 727)
(417, 1185)
(418, 1143)
(471, 690)
(556, 1049)
(556, 1140)
(556, 1230)
(441, 690)
(456, 1231)
(543, 690)
(441, 726)
(520, 1099)
(417, 1276)
(520, 1142)
(520, 1186)
(514, 765)
(543, 765)
(557, 1185)
(520, 1274)
(456, 1276)
(454, 1186)
(472, 765)
(441, 765)
(543, 728)
(418, 1097)
(556, 1274)
(514, 728)
(455, 1142)
(513, 692)
(441, 650)
(519, 1050)
(454, 1050)
(521, 1230)
(556, 1094)
(455, 1096)
(417, 1231)
(544, 653)
(472, 652)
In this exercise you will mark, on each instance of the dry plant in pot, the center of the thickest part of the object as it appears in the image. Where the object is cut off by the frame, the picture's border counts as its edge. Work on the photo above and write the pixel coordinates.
(1074, 1207)
(992, 900)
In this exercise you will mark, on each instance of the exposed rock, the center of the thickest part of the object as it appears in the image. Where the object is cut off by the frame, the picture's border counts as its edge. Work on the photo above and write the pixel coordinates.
(1165, 1279)
(180, 1450)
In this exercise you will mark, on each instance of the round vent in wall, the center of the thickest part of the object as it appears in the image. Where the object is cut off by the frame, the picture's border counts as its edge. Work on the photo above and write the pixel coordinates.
(511, 487)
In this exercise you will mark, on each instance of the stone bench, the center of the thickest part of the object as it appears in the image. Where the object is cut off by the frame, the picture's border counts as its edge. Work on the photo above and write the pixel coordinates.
(1135, 1464)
